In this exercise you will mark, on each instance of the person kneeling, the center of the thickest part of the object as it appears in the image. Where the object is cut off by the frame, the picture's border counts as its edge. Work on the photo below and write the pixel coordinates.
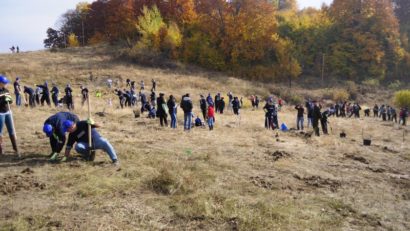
(79, 134)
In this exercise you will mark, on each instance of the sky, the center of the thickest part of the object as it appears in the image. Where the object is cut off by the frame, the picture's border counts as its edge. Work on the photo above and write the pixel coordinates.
(24, 23)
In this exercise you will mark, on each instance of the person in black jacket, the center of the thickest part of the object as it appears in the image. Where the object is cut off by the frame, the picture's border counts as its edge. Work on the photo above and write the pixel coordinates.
(376, 111)
(236, 105)
(324, 122)
(79, 135)
(31, 99)
(46, 94)
(202, 105)
(69, 97)
(53, 127)
(172, 109)
(221, 105)
(271, 115)
(162, 109)
(5, 115)
(54, 94)
(299, 118)
(186, 105)
(317, 115)
(121, 97)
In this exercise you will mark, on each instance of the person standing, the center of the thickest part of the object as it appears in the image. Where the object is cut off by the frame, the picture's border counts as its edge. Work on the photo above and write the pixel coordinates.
(236, 105)
(309, 108)
(172, 109)
(142, 84)
(403, 116)
(317, 115)
(54, 94)
(78, 133)
(211, 117)
(154, 85)
(217, 102)
(270, 114)
(6, 116)
(162, 110)
(153, 98)
(324, 122)
(299, 118)
(53, 128)
(17, 91)
(187, 107)
(69, 97)
(221, 105)
(38, 94)
(84, 94)
(202, 105)
(376, 111)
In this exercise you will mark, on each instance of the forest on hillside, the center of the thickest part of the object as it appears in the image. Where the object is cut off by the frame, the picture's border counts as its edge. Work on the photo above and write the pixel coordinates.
(364, 41)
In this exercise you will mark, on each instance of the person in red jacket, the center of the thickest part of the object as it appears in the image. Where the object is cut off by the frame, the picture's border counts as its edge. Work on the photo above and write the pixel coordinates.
(211, 116)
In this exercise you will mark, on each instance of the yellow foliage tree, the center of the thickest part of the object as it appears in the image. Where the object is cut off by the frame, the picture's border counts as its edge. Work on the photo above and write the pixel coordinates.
(73, 41)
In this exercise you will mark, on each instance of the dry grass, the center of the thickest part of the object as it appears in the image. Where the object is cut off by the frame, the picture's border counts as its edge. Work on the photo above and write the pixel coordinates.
(226, 179)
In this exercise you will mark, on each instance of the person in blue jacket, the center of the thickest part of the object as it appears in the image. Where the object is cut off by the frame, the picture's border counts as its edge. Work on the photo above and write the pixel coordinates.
(54, 129)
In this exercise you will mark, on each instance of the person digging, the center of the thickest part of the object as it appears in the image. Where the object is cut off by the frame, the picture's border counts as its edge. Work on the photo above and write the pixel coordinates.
(78, 133)
(54, 129)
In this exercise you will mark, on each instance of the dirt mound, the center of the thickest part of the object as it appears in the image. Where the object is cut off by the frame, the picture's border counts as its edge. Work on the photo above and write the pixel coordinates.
(301, 134)
(319, 182)
(356, 158)
(262, 182)
(275, 156)
(14, 183)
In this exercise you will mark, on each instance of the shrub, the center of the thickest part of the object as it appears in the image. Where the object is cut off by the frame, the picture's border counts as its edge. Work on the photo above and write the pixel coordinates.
(395, 85)
(402, 98)
(165, 183)
(371, 83)
(340, 95)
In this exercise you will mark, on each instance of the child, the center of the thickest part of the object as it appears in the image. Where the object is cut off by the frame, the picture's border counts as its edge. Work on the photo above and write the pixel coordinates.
(211, 117)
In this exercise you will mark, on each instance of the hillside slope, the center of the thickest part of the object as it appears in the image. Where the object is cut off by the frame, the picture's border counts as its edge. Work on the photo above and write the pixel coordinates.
(237, 177)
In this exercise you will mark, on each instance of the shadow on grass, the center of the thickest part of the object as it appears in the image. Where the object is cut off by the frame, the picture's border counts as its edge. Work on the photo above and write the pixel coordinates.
(30, 160)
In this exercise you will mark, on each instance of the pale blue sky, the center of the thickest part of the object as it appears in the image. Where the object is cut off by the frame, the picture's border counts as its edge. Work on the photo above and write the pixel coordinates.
(24, 23)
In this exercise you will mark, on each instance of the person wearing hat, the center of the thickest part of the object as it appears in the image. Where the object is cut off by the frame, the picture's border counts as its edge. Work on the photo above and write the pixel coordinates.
(78, 133)
(17, 91)
(54, 129)
(5, 114)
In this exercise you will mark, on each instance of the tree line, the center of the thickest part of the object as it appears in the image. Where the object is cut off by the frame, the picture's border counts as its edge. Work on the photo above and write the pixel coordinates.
(359, 40)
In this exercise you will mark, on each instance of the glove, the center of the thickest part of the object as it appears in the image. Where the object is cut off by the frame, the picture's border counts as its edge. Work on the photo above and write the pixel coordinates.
(54, 156)
(90, 121)
(8, 98)
(64, 159)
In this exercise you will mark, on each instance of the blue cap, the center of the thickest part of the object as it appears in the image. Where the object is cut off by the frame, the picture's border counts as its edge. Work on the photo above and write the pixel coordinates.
(67, 125)
(48, 129)
(4, 80)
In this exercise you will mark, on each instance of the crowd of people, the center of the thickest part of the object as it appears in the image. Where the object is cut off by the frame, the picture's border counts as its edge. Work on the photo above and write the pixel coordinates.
(161, 107)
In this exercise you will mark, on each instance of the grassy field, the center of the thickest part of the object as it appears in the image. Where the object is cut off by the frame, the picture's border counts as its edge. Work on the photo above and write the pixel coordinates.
(237, 177)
